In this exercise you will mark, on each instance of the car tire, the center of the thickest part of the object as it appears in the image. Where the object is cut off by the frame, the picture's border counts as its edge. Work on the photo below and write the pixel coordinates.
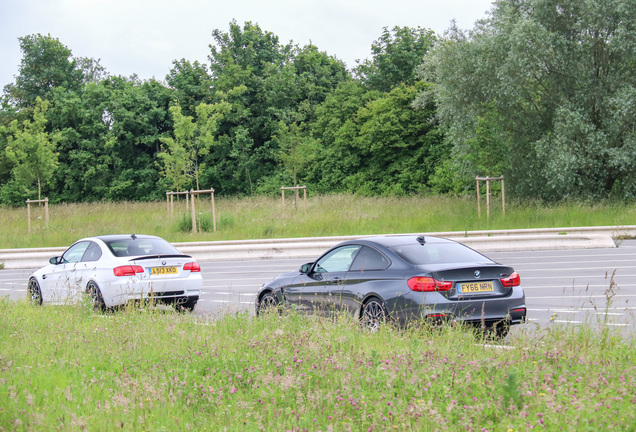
(500, 330)
(267, 303)
(496, 332)
(188, 306)
(34, 293)
(373, 314)
(92, 289)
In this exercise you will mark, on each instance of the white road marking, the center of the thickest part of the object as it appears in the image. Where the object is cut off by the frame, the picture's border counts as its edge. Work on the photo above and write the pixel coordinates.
(224, 301)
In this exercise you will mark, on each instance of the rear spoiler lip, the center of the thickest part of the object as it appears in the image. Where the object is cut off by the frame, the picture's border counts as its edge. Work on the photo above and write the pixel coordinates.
(146, 257)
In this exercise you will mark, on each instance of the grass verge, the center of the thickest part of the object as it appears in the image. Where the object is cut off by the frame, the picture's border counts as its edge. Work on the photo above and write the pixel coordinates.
(68, 368)
(263, 217)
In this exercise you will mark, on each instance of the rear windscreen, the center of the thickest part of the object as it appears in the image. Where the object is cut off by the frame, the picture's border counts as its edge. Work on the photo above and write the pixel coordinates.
(439, 253)
(141, 246)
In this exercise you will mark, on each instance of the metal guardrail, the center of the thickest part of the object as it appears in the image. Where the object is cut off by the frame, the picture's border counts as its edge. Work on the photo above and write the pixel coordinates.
(483, 241)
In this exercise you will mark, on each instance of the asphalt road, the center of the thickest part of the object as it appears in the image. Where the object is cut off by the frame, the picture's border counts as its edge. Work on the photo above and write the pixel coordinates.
(561, 286)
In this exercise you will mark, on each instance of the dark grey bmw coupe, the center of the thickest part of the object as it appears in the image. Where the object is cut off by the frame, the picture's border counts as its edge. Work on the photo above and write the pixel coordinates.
(403, 278)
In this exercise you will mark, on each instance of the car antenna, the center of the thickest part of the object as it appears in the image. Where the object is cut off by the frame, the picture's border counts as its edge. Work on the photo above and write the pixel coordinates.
(421, 240)
(133, 236)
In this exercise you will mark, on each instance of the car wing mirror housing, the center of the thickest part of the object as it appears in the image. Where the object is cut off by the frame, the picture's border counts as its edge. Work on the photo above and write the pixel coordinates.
(306, 268)
(55, 260)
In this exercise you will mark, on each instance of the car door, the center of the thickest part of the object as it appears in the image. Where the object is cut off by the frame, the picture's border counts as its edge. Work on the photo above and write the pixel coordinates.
(319, 291)
(87, 267)
(367, 274)
(60, 281)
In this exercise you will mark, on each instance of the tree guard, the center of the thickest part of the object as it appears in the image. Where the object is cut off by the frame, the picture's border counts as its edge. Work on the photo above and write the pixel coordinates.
(295, 189)
(46, 211)
(190, 205)
(194, 193)
(503, 195)
(170, 201)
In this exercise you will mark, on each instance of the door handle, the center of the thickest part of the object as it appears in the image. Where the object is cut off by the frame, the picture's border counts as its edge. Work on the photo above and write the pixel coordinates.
(335, 280)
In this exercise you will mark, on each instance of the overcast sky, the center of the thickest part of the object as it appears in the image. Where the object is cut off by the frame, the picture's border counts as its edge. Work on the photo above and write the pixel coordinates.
(143, 37)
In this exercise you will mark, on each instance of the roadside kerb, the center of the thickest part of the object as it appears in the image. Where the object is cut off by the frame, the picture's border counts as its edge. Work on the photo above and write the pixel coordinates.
(483, 241)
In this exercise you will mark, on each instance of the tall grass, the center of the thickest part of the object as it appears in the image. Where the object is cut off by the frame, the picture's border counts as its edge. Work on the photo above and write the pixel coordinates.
(262, 217)
(68, 368)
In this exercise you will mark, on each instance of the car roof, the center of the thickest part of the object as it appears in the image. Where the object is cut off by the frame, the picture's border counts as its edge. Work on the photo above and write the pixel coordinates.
(111, 237)
(401, 239)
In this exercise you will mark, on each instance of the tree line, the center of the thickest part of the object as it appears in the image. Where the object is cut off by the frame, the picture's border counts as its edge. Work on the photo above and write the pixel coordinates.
(540, 91)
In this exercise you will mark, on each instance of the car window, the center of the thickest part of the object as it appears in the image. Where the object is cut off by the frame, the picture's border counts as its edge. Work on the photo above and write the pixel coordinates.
(128, 246)
(370, 259)
(74, 253)
(93, 253)
(439, 253)
(337, 260)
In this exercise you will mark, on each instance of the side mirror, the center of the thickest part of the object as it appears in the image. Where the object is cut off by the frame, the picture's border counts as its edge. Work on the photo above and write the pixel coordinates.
(54, 260)
(305, 268)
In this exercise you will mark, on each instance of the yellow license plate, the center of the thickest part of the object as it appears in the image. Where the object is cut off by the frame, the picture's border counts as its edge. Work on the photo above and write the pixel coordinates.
(163, 270)
(475, 287)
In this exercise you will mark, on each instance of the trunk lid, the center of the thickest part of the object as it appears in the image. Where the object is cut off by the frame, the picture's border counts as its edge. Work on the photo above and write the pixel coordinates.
(478, 281)
(161, 267)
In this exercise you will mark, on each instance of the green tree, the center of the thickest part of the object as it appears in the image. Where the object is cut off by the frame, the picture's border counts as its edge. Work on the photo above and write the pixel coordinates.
(46, 64)
(555, 80)
(296, 149)
(333, 129)
(31, 150)
(369, 137)
(264, 82)
(183, 155)
(91, 69)
(241, 62)
(109, 135)
(191, 83)
(316, 74)
(376, 143)
(394, 57)
(177, 167)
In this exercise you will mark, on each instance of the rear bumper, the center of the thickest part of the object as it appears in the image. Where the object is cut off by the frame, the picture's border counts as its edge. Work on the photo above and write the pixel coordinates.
(485, 312)
(169, 292)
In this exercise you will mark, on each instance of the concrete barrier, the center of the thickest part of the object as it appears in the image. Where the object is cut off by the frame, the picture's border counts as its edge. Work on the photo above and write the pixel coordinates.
(482, 241)
(312, 248)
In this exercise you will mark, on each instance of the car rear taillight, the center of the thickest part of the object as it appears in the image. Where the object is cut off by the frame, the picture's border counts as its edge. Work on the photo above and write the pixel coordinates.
(517, 314)
(128, 270)
(427, 284)
(192, 266)
(511, 281)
